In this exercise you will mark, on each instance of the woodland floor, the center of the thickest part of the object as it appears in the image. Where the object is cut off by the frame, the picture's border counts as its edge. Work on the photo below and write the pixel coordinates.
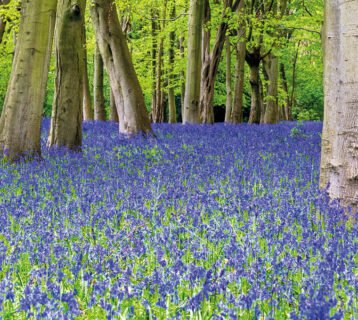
(203, 222)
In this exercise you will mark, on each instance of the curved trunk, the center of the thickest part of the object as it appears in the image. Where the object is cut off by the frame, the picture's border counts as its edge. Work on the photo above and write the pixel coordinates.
(66, 121)
(21, 122)
(133, 116)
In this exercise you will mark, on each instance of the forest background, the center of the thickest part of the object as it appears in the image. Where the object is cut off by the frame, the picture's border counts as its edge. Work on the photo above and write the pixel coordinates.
(157, 30)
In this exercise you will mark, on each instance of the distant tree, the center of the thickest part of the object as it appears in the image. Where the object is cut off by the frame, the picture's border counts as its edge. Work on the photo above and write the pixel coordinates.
(2, 21)
(128, 95)
(212, 56)
(339, 162)
(66, 120)
(98, 93)
(240, 49)
(20, 124)
(88, 113)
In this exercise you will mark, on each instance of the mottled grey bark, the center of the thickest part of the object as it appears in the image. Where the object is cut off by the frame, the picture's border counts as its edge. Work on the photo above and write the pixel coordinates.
(339, 160)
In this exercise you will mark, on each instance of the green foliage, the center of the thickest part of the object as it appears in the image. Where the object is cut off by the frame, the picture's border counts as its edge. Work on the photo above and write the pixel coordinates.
(283, 34)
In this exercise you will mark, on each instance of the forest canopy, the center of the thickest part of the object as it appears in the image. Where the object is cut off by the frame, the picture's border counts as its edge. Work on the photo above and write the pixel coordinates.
(157, 36)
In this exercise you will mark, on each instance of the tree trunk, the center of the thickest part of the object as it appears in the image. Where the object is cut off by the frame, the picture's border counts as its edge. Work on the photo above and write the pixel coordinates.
(228, 107)
(133, 116)
(182, 79)
(171, 78)
(20, 126)
(253, 61)
(113, 115)
(206, 90)
(237, 108)
(272, 114)
(66, 121)
(294, 73)
(158, 107)
(99, 107)
(287, 107)
(155, 17)
(87, 104)
(339, 162)
(192, 86)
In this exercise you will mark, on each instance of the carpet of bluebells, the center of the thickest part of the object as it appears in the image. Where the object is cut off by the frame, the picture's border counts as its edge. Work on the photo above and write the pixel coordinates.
(201, 222)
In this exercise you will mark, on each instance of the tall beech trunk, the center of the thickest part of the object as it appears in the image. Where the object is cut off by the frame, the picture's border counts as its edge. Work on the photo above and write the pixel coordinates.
(66, 120)
(113, 115)
(253, 60)
(192, 85)
(20, 125)
(98, 94)
(228, 107)
(272, 114)
(339, 162)
(171, 78)
(87, 101)
(237, 107)
(133, 116)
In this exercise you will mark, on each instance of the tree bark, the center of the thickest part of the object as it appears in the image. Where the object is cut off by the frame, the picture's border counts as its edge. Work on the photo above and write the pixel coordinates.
(206, 89)
(339, 161)
(272, 114)
(99, 107)
(113, 115)
(253, 60)
(133, 116)
(228, 107)
(66, 121)
(20, 126)
(192, 86)
(87, 101)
